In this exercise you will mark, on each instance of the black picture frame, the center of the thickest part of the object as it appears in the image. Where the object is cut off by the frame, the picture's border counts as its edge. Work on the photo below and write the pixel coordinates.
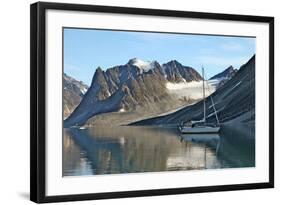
(38, 101)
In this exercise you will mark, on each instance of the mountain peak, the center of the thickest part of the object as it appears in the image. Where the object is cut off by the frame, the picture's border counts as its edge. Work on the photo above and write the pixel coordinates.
(230, 68)
(227, 73)
(143, 65)
(133, 60)
(98, 69)
(174, 62)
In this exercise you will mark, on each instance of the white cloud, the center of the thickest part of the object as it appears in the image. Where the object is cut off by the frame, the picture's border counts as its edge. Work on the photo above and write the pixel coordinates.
(233, 47)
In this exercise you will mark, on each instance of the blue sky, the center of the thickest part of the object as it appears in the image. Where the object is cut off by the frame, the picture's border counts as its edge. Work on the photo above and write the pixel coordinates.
(86, 49)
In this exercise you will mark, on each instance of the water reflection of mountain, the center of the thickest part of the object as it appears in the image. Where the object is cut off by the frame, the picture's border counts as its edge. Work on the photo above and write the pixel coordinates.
(237, 146)
(146, 149)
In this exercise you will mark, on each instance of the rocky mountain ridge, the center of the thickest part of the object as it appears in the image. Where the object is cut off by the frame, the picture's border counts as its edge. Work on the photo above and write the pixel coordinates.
(135, 87)
(73, 92)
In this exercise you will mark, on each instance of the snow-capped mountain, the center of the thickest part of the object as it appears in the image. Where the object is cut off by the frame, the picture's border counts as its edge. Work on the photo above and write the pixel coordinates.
(144, 66)
(73, 92)
(137, 89)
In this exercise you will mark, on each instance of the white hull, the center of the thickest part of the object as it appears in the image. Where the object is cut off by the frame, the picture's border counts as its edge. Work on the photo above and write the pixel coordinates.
(201, 137)
(200, 130)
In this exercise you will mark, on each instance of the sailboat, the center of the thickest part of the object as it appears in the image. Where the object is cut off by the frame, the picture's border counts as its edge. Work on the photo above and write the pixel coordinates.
(201, 126)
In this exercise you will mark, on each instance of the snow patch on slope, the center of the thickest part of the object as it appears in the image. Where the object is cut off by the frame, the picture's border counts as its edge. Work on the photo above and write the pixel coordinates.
(83, 90)
(122, 110)
(214, 82)
(190, 90)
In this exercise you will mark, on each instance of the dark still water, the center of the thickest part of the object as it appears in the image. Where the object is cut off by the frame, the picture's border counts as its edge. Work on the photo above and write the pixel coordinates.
(127, 149)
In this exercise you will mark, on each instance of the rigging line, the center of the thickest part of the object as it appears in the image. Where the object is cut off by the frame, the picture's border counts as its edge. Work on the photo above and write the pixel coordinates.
(213, 104)
(204, 100)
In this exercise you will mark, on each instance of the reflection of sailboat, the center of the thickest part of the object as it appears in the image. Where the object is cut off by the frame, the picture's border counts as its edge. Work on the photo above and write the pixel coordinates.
(199, 127)
(210, 140)
(200, 138)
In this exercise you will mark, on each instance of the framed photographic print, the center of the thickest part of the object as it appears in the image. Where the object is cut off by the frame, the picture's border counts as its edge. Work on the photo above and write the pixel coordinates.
(129, 102)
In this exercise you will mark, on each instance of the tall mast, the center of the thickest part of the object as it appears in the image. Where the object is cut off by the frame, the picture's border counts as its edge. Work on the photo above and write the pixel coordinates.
(204, 103)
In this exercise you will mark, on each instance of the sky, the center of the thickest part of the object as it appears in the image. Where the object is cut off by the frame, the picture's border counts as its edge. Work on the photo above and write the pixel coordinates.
(87, 49)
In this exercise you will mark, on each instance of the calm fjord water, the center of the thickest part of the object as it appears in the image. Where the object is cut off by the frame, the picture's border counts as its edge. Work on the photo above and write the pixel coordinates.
(128, 149)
